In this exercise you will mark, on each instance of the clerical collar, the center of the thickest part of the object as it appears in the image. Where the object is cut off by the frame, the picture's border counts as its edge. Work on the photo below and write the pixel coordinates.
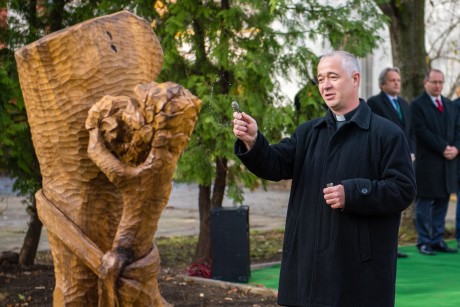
(346, 117)
(340, 120)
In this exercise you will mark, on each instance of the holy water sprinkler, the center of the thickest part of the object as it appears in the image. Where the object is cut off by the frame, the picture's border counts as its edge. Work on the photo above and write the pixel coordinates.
(235, 106)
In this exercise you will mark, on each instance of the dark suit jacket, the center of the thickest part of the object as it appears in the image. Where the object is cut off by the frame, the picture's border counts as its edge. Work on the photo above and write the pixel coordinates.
(381, 105)
(435, 175)
(457, 103)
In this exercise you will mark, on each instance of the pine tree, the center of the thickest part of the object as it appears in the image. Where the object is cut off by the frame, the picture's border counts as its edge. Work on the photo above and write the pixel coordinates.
(228, 51)
(223, 51)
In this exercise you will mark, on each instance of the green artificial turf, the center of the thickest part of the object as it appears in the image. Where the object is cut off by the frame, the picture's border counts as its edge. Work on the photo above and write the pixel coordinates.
(422, 281)
(428, 280)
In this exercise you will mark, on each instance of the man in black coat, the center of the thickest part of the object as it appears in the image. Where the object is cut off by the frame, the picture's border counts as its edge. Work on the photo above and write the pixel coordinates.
(457, 210)
(393, 107)
(437, 131)
(352, 176)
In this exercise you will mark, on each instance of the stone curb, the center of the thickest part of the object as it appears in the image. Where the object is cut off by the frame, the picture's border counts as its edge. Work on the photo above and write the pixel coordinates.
(248, 288)
(256, 289)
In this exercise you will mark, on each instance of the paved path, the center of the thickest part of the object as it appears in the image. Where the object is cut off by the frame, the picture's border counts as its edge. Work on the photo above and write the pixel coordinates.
(180, 217)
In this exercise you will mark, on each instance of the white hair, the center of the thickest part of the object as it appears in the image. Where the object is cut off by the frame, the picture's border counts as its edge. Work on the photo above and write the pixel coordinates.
(349, 61)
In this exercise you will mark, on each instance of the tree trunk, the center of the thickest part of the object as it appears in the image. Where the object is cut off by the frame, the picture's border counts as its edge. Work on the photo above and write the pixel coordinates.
(203, 246)
(219, 183)
(206, 202)
(407, 24)
(3, 27)
(32, 237)
(56, 15)
(31, 240)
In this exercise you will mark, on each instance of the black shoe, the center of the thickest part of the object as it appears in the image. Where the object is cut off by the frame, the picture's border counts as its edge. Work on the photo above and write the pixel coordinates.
(442, 247)
(426, 250)
(402, 255)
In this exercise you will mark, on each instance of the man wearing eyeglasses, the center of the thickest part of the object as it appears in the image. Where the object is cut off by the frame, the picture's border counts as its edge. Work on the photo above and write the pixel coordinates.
(437, 136)
(393, 107)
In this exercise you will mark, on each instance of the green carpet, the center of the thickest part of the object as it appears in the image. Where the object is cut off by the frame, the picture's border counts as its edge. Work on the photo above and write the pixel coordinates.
(422, 281)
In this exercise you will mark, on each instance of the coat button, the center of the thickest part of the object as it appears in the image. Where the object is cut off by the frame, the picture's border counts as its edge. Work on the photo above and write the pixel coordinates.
(364, 191)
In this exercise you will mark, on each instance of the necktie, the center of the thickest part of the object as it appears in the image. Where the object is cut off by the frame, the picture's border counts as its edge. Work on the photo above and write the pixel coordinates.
(439, 104)
(397, 108)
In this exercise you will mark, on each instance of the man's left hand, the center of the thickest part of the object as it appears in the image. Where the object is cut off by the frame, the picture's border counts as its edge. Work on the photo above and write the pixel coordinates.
(335, 196)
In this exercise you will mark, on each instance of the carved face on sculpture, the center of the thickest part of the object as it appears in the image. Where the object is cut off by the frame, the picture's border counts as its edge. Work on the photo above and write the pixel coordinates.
(122, 127)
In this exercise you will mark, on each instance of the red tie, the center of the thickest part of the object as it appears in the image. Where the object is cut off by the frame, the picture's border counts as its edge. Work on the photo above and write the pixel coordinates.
(438, 102)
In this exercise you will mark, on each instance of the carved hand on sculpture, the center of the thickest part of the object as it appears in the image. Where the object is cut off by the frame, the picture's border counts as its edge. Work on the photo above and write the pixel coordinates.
(112, 264)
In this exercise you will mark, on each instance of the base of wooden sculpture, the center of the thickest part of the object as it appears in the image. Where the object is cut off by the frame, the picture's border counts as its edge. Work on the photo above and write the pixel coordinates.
(73, 252)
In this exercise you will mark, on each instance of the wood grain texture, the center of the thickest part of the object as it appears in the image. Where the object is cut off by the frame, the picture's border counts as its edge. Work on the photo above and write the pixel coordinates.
(113, 185)
(136, 143)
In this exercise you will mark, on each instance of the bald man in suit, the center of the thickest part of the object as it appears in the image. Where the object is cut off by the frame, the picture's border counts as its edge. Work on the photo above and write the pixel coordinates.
(436, 123)
(393, 107)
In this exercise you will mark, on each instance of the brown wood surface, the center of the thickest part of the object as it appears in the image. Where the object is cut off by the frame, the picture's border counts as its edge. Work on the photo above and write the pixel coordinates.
(107, 139)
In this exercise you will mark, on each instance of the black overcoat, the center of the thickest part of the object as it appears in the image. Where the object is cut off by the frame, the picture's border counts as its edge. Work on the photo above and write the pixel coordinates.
(380, 104)
(456, 102)
(339, 257)
(435, 175)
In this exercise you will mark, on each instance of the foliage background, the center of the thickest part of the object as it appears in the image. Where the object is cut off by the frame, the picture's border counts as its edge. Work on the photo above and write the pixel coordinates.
(220, 50)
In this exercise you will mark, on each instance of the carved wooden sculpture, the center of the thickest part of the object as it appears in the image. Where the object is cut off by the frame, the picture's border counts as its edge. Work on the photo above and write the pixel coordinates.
(107, 139)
